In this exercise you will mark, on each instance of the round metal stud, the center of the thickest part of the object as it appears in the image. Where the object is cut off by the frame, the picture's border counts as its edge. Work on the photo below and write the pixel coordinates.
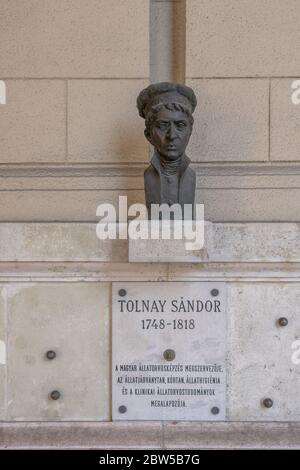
(214, 292)
(283, 321)
(122, 292)
(51, 355)
(268, 403)
(55, 395)
(169, 354)
(215, 410)
(122, 409)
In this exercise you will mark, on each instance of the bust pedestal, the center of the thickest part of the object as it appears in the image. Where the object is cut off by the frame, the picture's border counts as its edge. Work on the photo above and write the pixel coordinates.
(190, 246)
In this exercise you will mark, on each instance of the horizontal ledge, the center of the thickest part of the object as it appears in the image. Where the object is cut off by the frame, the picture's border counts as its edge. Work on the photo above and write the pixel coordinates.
(80, 435)
(129, 177)
(242, 77)
(66, 77)
(150, 435)
(232, 435)
(107, 272)
(73, 169)
(242, 243)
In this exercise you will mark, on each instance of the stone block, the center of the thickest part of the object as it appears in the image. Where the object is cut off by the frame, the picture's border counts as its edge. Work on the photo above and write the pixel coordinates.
(227, 38)
(103, 121)
(74, 38)
(80, 206)
(33, 121)
(58, 242)
(250, 205)
(231, 121)
(261, 360)
(189, 247)
(222, 243)
(285, 121)
(72, 320)
(2, 352)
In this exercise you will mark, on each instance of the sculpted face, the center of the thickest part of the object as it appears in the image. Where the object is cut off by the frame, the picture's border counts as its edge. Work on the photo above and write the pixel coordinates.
(170, 133)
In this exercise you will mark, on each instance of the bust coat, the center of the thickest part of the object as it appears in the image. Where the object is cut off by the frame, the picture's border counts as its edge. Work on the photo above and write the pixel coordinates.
(153, 182)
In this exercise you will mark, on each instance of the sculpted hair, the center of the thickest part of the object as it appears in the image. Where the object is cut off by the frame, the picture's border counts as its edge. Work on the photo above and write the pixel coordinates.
(149, 95)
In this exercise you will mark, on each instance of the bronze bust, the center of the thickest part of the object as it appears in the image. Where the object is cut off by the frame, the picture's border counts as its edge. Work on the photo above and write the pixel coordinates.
(167, 109)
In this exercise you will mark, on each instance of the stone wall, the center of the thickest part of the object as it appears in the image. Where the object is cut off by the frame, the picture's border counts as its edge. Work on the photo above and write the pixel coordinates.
(241, 58)
(57, 296)
(70, 134)
(71, 138)
(72, 70)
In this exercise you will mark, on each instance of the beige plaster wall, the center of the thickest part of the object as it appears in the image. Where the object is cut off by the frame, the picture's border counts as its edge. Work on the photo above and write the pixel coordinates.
(70, 136)
(72, 70)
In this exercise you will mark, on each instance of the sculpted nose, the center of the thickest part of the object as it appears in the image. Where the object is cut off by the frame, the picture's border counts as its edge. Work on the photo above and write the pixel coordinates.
(172, 132)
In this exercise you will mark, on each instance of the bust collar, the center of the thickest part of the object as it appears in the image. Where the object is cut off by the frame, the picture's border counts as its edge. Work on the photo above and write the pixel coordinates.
(155, 162)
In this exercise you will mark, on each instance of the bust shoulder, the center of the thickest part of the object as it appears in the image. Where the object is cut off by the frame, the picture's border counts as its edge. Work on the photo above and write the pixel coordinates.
(150, 172)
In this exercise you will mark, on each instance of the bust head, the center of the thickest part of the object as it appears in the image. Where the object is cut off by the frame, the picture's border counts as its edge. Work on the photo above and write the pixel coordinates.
(167, 109)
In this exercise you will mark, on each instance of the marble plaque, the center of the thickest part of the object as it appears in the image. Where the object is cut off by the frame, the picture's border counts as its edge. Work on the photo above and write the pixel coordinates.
(169, 345)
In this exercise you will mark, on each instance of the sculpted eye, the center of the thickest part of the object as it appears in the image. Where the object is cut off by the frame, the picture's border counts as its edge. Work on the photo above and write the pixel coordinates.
(181, 125)
(162, 125)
